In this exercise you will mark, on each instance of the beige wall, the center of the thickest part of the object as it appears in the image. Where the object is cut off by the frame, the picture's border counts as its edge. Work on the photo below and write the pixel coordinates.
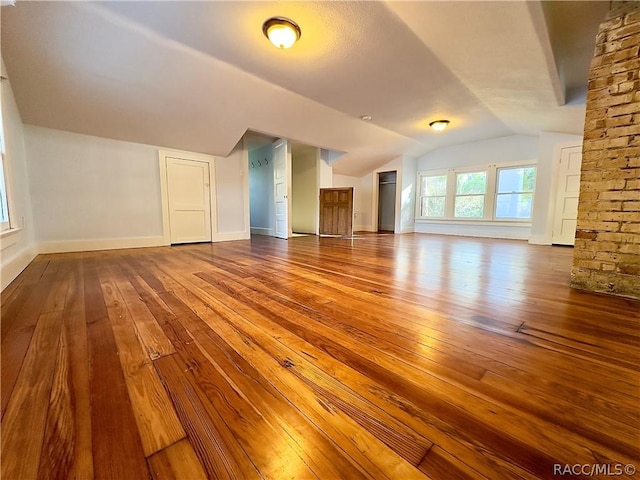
(304, 189)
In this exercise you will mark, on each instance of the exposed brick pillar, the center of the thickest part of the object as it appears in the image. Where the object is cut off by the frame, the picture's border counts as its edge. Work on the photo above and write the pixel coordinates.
(607, 250)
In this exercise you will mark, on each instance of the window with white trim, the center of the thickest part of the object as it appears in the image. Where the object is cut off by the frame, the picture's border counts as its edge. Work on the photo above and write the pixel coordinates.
(433, 195)
(4, 203)
(494, 193)
(514, 192)
(471, 189)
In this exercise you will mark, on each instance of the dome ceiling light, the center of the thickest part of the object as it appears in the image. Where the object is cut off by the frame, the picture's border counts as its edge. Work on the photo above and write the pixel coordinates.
(281, 31)
(439, 125)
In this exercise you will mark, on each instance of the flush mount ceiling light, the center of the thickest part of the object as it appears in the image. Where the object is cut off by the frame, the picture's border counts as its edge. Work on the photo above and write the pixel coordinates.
(366, 118)
(282, 32)
(439, 125)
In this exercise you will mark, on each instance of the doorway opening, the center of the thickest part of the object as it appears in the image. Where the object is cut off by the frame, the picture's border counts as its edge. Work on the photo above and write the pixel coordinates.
(187, 190)
(387, 202)
(565, 219)
(284, 181)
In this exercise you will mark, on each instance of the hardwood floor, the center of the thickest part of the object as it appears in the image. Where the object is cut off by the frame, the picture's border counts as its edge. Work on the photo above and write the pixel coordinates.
(386, 357)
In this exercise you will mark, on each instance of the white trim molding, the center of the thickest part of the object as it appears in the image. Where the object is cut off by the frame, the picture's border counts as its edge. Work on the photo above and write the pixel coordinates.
(65, 246)
(477, 229)
(230, 236)
(164, 190)
(363, 228)
(540, 240)
(262, 231)
(14, 266)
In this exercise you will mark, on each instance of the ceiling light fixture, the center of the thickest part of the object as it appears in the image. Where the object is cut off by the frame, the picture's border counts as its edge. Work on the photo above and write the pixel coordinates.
(282, 32)
(439, 125)
(366, 118)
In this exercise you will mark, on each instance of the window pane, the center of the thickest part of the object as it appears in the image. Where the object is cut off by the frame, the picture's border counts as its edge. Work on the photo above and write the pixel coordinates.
(4, 209)
(516, 179)
(435, 186)
(514, 205)
(471, 183)
(432, 207)
(470, 207)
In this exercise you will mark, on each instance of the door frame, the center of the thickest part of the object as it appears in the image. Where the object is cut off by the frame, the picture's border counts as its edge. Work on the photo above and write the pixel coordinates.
(395, 201)
(556, 198)
(287, 180)
(351, 208)
(164, 189)
(374, 197)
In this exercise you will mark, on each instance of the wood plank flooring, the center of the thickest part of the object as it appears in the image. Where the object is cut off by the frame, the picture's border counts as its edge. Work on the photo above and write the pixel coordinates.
(385, 357)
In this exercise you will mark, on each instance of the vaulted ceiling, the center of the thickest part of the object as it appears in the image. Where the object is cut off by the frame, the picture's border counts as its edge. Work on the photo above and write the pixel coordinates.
(197, 75)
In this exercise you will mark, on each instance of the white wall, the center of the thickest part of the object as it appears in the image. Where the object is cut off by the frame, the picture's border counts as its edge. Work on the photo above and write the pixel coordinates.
(408, 194)
(90, 192)
(261, 190)
(513, 148)
(232, 195)
(325, 171)
(549, 147)
(365, 203)
(495, 150)
(17, 247)
(304, 190)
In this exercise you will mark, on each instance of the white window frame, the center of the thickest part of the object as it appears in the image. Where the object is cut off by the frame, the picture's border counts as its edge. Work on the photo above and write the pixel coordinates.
(432, 173)
(489, 196)
(462, 171)
(496, 194)
(4, 178)
(6, 225)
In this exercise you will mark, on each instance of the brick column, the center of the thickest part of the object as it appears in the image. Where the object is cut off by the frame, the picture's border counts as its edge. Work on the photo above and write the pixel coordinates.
(607, 250)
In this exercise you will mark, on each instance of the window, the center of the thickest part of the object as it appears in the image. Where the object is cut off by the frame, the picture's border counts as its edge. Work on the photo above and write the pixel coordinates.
(490, 193)
(470, 193)
(434, 191)
(514, 193)
(4, 207)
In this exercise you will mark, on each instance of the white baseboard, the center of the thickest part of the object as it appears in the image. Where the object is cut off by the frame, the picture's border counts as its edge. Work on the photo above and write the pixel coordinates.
(229, 236)
(262, 231)
(13, 267)
(371, 228)
(363, 228)
(65, 246)
(540, 240)
(483, 231)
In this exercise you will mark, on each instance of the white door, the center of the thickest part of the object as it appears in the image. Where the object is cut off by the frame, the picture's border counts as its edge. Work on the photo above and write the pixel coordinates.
(565, 219)
(189, 201)
(282, 187)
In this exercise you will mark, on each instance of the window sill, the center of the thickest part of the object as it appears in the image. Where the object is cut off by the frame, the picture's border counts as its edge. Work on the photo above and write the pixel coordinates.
(10, 232)
(448, 221)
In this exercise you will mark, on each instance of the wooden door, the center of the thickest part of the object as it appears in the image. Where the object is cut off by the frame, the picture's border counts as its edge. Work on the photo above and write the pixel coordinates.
(282, 187)
(189, 201)
(566, 211)
(336, 211)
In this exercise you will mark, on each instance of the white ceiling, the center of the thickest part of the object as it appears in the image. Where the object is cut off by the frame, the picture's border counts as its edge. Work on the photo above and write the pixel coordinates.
(197, 75)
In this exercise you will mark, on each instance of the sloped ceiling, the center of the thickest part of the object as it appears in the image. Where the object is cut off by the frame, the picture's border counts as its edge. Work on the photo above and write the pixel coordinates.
(197, 75)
